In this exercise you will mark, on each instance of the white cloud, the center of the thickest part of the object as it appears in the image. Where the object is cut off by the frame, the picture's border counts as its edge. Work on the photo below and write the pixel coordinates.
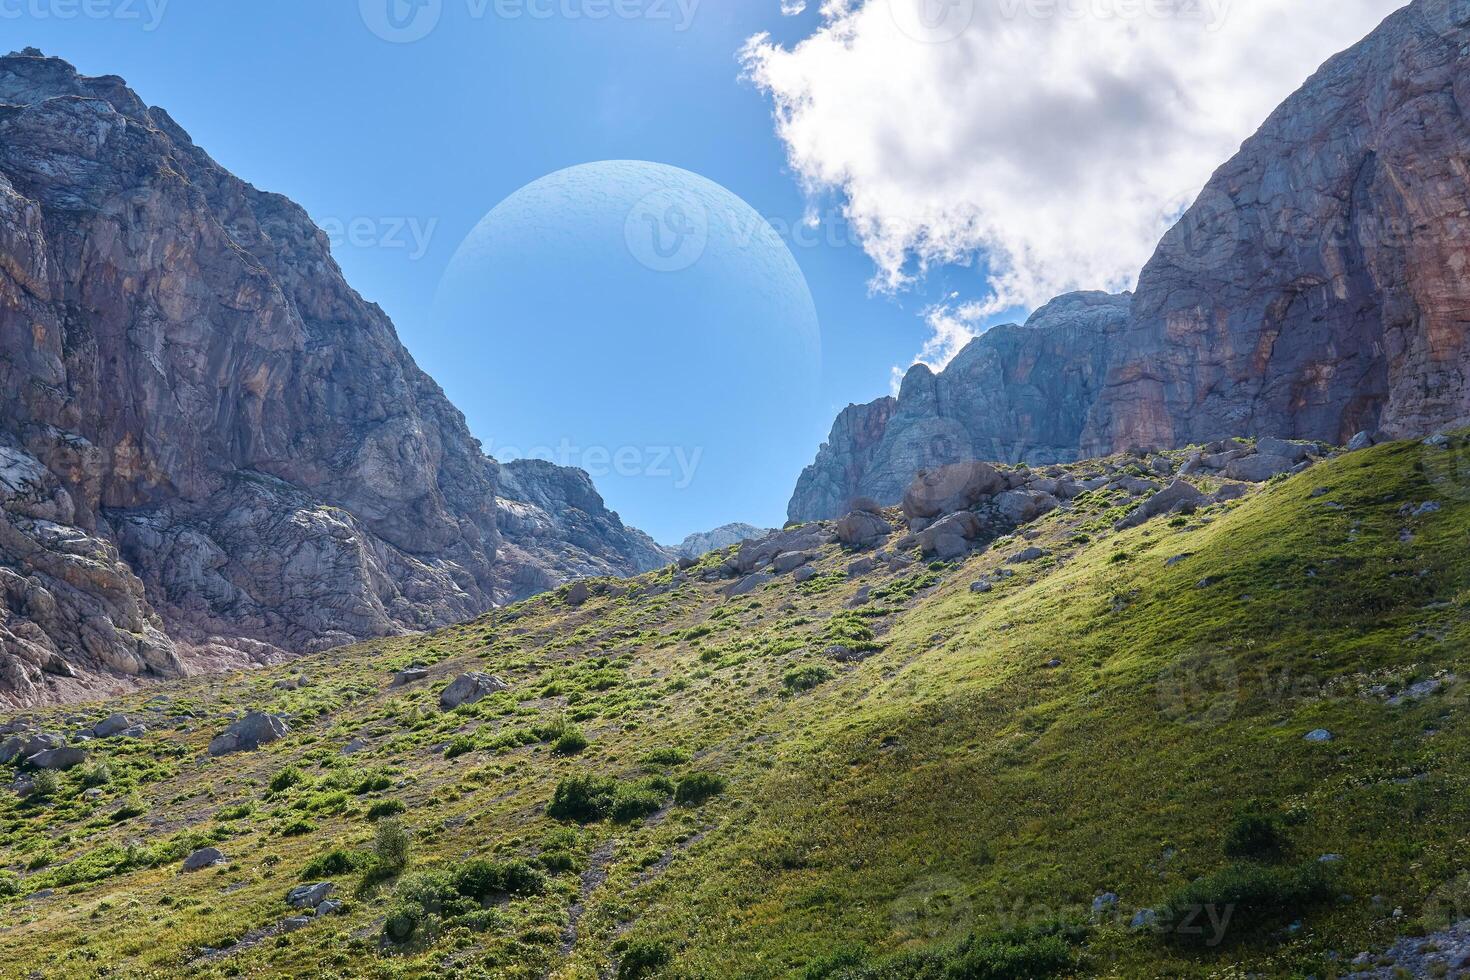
(792, 8)
(1051, 142)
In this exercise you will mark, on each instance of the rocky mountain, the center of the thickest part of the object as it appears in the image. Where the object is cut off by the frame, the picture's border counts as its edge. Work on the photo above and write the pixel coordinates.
(1316, 289)
(212, 450)
(1017, 393)
(699, 545)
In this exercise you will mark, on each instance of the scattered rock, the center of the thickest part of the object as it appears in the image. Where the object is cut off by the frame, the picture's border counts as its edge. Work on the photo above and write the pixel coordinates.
(950, 489)
(249, 733)
(1363, 440)
(1027, 556)
(982, 586)
(749, 584)
(1294, 451)
(1258, 468)
(295, 923)
(1144, 919)
(203, 858)
(1438, 441)
(804, 574)
(409, 675)
(111, 725)
(578, 594)
(792, 560)
(309, 896)
(951, 537)
(353, 747)
(1017, 507)
(863, 529)
(1180, 498)
(1319, 735)
(65, 757)
(470, 688)
(861, 567)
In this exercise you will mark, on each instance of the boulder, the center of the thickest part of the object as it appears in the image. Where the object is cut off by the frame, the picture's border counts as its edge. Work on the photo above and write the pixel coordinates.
(792, 560)
(409, 675)
(65, 757)
(1363, 440)
(310, 896)
(1180, 497)
(951, 537)
(578, 594)
(1017, 507)
(757, 553)
(249, 733)
(295, 923)
(111, 725)
(804, 574)
(1258, 468)
(203, 858)
(862, 529)
(470, 688)
(1027, 556)
(1294, 451)
(861, 567)
(748, 584)
(948, 489)
(18, 747)
(865, 505)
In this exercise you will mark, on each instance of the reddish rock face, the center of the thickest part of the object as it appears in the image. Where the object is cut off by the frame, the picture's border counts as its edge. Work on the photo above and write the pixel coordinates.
(1319, 287)
(1321, 284)
(212, 449)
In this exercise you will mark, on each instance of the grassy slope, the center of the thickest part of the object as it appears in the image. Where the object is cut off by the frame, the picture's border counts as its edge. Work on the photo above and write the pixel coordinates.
(950, 783)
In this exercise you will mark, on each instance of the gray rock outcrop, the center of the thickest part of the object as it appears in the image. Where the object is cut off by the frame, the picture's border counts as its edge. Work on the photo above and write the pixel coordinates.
(469, 689)
(699, 545)
(248, 734)
(213, 452)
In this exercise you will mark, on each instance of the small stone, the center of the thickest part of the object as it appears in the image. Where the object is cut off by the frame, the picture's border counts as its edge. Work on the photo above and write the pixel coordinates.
(1319, 735)
(1144, 919)
(982, 586)
(804, 574)
(409, 675)
(295, 923)
(1027, 556)
(1363, 440)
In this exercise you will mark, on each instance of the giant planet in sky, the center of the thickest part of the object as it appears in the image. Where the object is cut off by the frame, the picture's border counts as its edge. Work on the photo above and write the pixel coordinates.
(645, 324)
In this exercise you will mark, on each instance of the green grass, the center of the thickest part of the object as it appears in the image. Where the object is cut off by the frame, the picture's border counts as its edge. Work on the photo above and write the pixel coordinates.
(708, 793)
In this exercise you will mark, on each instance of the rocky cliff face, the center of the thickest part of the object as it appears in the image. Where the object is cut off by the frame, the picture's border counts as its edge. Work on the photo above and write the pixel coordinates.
(1317, 288)
(212, 450)
(1014, 394)
(699, 545)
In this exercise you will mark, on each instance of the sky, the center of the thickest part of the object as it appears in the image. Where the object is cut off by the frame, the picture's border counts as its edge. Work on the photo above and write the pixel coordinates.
(934, 167)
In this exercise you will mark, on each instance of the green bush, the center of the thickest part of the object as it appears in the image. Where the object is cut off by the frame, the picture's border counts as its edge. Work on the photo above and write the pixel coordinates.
(1255, 835)
(697, 787)
(9, 884)
(299, 827)
(643, 958)
(666, 757)
(1023, 954)
(96, 774)
(570, 741)
(583, 799)
(45, 784)
(806, 677)
(335, 862)
(1240, 899)
(634, 802)
(486, 880)
(385, 808)
(458, 746)
(374, 783)
(131, 807)
(285, 779)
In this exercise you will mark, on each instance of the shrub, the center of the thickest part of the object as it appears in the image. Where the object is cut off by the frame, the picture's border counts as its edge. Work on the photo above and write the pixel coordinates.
(96, 774)
(485, 880)
(9, 884)
(335, 862)
(643, 958)
(582, 798)
(390, 846)
(557, 861)
(128, 809)
(697, 787)
(1255, 835)
(299, 827)
(570, 741)
(417, 899)
(1241, 898)
(636, 801)
(374, 783)
(45, 784)
(458, 746)
(236, 812)
(285, 779)
(1023, 954)
(385, 808)
(806, 677)
(666, 757)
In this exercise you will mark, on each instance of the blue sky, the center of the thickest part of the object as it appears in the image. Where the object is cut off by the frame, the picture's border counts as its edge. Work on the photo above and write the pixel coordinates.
(1014, 149)
(400, 149)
